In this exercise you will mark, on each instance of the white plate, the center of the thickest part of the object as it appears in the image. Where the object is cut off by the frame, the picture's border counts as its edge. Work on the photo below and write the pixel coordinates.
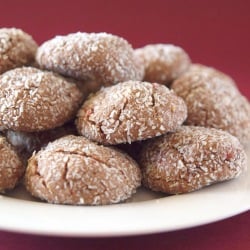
(146, 212)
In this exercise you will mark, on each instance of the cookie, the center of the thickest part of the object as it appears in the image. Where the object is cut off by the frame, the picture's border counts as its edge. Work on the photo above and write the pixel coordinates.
(34, 100)
(73, 170)
(163, 63)
(130, 111)
(17, 48)
(11, 167)
(213, 100)
(190, 159)
(100, 57)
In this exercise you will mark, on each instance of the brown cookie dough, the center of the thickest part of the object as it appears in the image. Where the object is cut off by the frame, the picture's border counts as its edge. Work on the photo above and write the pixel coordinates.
(213, 100)
(26, 143)
(11, 167)
(101, 57)
(73, 170)
(163, 62)
(34, 100)
(191, 158)
(130, 111)
(88, 87)
(17, 48)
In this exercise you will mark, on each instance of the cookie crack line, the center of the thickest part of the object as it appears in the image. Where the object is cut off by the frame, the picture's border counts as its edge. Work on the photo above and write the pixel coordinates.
(153, 99)
(121, 111)
(83, 154)
(92, 122)
(64, 176)
(41, 177)
(117, 118)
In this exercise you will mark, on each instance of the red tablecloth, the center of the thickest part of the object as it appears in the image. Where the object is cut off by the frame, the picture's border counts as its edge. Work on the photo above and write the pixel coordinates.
(215, 33)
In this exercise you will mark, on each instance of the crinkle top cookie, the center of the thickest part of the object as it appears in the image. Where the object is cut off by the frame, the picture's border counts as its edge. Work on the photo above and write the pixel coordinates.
(130, 111)
(91, 56)
(34, 100)
(191, 158)
(74, 170)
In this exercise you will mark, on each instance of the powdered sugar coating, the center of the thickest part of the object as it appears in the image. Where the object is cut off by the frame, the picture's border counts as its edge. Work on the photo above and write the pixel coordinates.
(191, 158)
(213, 100)
(73, 170)
(11, 167)
(207, 71)
(130, 111)
(101, 57)
(35, 100)
(17, 48)
(163, 62)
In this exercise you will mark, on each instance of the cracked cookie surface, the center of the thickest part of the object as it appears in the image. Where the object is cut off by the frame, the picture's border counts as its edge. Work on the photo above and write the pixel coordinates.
(73, 170)
(191, 158)
(130, 111)
(35, 100)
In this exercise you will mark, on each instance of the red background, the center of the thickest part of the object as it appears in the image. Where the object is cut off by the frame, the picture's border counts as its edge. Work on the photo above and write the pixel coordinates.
(215, 33)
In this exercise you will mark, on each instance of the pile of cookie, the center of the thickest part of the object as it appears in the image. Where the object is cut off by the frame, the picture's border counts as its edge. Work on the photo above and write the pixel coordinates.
(87, 119)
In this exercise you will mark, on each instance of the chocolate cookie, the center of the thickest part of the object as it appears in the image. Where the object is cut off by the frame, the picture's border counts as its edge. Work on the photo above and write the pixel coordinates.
(35, 100)
(101, 57)
(73, 170)
(130, 111)
(191, 158)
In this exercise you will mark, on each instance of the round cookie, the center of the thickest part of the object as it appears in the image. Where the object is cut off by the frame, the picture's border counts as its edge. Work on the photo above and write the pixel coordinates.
(130, 111)
(11, 167)
(191, 158)
(34, 100)
(102, 57)
(17, 48)
(163, 63)
(213, 100)
(74, 170)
